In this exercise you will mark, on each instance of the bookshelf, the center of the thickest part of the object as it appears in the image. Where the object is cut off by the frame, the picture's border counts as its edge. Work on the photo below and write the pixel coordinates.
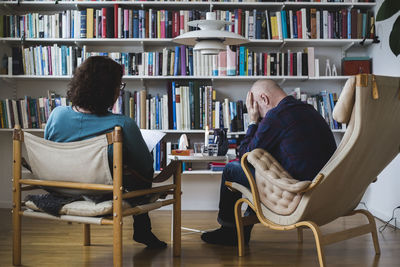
(234, 87)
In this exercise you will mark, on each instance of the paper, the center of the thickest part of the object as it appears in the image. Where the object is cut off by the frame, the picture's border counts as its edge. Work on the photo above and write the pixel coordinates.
(151, 137)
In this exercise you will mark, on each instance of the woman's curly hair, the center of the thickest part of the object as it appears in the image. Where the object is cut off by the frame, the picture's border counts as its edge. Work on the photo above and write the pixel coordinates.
(93, 86)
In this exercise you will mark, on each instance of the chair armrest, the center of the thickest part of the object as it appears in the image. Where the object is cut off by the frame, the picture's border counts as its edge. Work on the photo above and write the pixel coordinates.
(314, 183)
(167, 172)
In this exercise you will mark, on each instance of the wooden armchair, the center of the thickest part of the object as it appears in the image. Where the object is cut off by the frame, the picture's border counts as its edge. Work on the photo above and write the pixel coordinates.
(57, 166)
(371, 107)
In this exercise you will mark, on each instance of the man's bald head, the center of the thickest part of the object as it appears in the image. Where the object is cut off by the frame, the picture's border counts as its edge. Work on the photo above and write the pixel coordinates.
(266, 86)
(267, 93)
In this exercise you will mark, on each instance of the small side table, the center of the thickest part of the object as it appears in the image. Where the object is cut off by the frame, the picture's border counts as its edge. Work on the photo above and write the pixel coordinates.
(198, 158)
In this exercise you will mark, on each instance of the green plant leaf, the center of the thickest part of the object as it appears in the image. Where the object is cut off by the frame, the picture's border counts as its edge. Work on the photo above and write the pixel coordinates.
(394, 38)
(388, 9)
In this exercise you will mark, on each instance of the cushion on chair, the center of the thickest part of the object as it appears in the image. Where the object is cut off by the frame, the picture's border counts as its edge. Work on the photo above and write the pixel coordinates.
(83, 208)
(278, 190)
(344, 106)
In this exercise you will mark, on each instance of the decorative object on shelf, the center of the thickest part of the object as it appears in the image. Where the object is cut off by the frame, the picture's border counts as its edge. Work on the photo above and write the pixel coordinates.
(328, 71)
(334, 70)
(198, 148)
(210, 39)
(221, 140)
(212, 150)
(183, 142)
(356, 65)
(316, 65)
(387, 10)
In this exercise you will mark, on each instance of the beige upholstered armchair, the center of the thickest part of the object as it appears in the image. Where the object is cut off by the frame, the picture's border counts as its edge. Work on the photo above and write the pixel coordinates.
(370, 105)
(83, 166)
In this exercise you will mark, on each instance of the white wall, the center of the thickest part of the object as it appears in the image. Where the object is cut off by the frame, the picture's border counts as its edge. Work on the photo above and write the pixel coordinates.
(383, 196)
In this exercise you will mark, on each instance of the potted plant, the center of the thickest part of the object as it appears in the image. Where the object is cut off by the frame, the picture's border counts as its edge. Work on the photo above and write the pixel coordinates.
(387, 10)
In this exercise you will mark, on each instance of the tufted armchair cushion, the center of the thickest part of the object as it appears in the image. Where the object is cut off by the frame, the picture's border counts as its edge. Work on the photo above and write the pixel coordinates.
(278, 191)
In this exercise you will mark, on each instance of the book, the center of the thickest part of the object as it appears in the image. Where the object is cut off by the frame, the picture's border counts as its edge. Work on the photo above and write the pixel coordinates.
(89, 22)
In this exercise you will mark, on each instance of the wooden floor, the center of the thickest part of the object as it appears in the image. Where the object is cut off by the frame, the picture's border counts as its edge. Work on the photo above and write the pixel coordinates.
(51, 243)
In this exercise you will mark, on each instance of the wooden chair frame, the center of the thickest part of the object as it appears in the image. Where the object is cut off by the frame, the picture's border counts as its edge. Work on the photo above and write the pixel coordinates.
(321, 240)
(115, 220)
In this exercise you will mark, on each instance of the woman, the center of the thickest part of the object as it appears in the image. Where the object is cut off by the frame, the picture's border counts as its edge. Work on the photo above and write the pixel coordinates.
(93, 90)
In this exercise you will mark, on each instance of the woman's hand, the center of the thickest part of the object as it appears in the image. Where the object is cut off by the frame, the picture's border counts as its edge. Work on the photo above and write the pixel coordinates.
(252, 108)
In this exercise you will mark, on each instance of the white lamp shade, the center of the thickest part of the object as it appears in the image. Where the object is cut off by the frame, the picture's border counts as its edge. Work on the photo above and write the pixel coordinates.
(209, 47)
(224, 37)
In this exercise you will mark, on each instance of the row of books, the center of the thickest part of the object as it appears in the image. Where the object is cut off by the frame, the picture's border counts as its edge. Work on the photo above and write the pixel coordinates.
(117, 22)
(45, 60)
(30, 113)
(324, 103)
(181, 61)
(184, 107)
(323, 24)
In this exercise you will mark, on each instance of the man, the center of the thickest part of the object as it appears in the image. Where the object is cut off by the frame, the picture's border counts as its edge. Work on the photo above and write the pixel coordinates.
(294, 133)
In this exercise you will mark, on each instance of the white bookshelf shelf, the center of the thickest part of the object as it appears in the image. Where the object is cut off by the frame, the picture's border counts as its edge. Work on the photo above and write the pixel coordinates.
(149, 42)
(344, 43)
(164, 131)
(332, 4)
(28, 130)
(227, 78)
(181, 4)
(329, 78)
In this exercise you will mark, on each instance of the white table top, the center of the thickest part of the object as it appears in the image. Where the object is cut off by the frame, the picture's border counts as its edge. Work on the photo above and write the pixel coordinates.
(199, 158)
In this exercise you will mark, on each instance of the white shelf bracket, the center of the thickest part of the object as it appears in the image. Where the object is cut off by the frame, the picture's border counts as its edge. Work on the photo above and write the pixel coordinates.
(283, 44)
(347, 47)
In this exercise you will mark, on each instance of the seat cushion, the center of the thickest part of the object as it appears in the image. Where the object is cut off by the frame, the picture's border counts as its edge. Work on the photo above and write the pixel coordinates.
(278, 191)
(83, 208)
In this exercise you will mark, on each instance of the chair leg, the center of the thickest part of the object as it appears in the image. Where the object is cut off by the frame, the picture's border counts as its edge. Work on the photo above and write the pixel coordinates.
(374, 234)
(176, 227)
(86, 234)
(317, 235)
(300, 234)
(16, 238)
(117, 243)
(239, 227)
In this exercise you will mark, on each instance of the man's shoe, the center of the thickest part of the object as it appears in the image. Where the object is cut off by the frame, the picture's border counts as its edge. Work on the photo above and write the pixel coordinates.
(226, 236)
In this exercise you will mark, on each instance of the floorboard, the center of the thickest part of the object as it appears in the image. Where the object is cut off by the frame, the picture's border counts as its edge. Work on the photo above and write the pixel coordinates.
(51, 243)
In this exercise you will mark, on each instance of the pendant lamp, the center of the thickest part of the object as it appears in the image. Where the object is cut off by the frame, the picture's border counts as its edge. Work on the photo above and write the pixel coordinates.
(211, 38)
